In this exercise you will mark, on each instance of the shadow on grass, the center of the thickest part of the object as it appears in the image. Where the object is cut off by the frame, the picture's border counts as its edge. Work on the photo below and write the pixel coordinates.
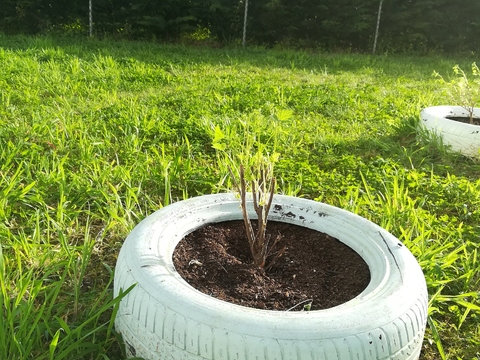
(415, 148)
(410, 67)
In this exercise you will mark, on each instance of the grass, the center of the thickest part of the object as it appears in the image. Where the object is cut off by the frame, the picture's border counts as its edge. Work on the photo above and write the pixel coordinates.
(95, 135)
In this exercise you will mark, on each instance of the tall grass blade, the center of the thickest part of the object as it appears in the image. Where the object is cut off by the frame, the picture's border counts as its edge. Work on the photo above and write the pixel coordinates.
(436, 337)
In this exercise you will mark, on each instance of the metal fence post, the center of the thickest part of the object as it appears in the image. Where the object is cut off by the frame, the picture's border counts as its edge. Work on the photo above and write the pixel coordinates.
(90, 21)
(378, 25)
(245, 23)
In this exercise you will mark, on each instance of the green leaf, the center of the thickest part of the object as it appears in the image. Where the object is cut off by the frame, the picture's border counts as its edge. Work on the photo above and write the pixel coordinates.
(436, 337)
(219, 135)
(468, 305)
(53, 344)
(217, 138)
(219, 146)
(64, 325)
(284, 114)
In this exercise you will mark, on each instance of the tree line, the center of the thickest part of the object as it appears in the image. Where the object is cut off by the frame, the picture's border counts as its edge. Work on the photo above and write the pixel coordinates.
(405, 25)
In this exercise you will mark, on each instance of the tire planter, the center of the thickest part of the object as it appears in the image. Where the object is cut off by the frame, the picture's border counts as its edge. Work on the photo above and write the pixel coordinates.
(165, 318)
(462, 137)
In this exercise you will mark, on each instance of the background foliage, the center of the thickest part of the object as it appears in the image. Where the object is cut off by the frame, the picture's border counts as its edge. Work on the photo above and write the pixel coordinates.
(406, 26)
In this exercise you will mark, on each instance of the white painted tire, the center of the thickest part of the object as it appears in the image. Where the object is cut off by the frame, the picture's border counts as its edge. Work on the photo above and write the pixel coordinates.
(163, 317)
(462, 137)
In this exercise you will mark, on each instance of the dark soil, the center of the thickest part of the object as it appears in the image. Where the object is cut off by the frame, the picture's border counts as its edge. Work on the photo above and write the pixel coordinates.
(315, 268)
(463, 119)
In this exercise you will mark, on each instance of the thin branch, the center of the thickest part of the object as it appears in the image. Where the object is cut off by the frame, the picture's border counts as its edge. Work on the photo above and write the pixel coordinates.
(272, 192)
(254, 193)
(301, 303)
(274, 258)
(246, 218)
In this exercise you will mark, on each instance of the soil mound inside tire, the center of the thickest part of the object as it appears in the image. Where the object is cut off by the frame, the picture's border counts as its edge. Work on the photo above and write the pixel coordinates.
(316, 271)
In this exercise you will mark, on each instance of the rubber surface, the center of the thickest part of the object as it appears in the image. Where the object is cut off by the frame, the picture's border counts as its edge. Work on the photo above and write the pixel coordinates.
(462, 137)
(165, 318)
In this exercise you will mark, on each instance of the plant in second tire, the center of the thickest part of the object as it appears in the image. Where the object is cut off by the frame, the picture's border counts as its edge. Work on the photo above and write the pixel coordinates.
(464, 91)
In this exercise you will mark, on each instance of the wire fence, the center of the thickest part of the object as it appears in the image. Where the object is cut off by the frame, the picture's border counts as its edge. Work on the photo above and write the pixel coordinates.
(366, 26)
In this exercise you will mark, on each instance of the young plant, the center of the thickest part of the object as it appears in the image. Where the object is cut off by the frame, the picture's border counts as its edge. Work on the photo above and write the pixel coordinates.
(263, 188)
(463, 90)
(253, 176)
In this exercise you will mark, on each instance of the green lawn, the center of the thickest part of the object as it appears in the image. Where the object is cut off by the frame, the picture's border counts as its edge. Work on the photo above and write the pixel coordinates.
(96, 135)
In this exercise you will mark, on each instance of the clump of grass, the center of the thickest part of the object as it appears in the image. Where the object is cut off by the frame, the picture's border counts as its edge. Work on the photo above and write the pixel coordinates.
(39, 320)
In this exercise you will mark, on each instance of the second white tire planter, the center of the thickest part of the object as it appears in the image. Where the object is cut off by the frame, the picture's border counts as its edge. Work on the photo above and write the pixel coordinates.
(165, 318)
(462, 137)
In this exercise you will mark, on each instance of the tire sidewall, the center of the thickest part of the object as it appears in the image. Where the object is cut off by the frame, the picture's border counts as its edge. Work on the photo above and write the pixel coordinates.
(397, 283)
(462, 137)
